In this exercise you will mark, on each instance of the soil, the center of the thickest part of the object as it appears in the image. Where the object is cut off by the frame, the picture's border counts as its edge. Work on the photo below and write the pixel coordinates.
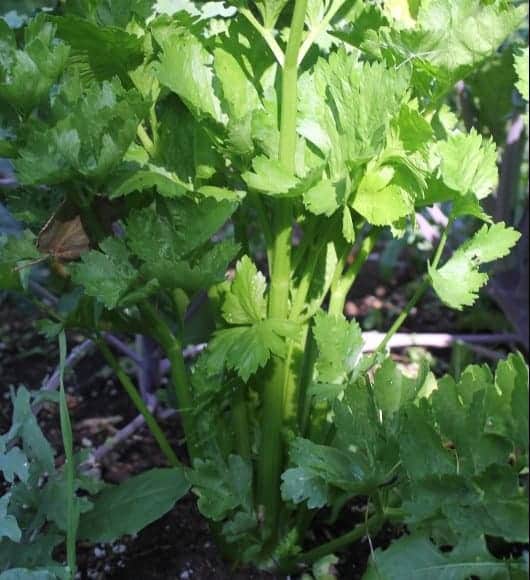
(180, 545)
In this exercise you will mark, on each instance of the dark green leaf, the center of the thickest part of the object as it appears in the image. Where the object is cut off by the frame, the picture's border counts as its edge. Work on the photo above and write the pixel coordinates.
(340, 345)
(8, 524)
(93, 43)
(107, 274)
(416, 557)
(27, 75)
(129, 507)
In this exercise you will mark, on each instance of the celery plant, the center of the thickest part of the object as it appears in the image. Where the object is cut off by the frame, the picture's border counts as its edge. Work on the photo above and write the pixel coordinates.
(158, 125)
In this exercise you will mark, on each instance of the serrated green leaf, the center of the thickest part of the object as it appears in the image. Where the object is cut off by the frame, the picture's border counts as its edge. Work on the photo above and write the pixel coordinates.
(346, 108)
(14, 251)
(239, 96)
(416, 557)
(92, 43)
(246, 303)
(129, 507)
(25, 425)
(186, 68)
(153, 237)
(322, 199)
(320, 469)
(246, 349)
(414, 130)
(509, 416)
(13, 463)
(487, 245)
(9, 527)
(482, 28)
(271, 177)
(357, 419)
(442, 52)
(300, 485)
(95, 126)
(118, 13)
(190, 152)
(365, 98)
(18, 248)
(392, 390)
(35, 555)
(106, 275)
(339, 344)
(201, 272)
(165, 182)
(381, 197)
(222, 487)
(469, 164)
(469, 205)
(176, 228)
(467, 413)
(172, 242)
(421, 448)
(27, 75)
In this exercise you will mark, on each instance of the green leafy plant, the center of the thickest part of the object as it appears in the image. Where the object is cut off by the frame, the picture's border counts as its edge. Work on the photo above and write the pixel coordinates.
(44, 505)
(158, 124)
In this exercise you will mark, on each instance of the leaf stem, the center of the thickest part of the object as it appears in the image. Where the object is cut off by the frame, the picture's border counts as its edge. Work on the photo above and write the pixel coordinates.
(341, 288)
(271, 453)
(371, 526)
(420, 291)
(139, 403)
(266, 34)
(179, 375)
(146, 141)
(314, 33)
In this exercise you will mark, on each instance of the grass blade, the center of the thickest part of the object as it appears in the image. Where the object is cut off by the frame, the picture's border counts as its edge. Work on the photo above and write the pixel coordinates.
(69, 465)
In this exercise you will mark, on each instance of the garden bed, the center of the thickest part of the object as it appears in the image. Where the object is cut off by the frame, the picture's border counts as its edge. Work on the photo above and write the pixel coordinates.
(179, 546)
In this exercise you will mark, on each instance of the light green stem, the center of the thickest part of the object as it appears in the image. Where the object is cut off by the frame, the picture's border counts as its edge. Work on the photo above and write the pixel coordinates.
(179, 375)
(341, 288)
(372, 526)
(315, 32)
(293, 380)
(146, 141)
(266, 34)
(271, 453)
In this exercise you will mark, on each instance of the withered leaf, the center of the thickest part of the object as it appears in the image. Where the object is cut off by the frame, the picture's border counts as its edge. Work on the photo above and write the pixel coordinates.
(63, 237)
